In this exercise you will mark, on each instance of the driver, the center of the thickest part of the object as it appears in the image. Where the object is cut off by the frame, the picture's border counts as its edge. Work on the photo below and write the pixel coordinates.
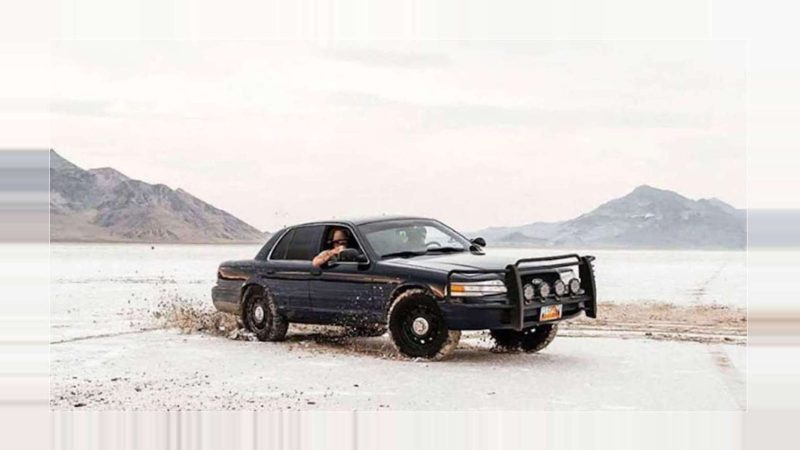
(339, 240)
(416, 237)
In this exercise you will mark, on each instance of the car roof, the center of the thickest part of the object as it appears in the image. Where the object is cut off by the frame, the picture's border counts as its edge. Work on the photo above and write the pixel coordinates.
(364, 220)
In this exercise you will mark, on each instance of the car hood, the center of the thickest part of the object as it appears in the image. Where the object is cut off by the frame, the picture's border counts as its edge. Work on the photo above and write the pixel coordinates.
(464, 260)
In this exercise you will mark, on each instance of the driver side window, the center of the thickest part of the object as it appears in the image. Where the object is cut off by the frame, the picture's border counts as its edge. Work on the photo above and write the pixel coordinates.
(327, 242)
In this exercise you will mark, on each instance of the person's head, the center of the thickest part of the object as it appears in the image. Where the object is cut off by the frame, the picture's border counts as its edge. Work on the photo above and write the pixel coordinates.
(416, 236)
(339, 237)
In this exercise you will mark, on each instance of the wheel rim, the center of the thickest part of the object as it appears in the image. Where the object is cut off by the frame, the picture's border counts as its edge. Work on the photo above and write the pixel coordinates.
(258, 315)
(420, 327)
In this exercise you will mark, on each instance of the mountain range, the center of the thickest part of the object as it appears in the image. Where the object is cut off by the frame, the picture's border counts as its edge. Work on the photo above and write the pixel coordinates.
(645, 218)
(104, 205)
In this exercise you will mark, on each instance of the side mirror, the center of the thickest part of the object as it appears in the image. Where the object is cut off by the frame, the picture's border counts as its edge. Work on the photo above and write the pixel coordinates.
(479, 241)
(352, 255)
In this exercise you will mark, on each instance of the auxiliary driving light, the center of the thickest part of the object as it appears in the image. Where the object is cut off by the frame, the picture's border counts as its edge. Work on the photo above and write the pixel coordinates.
(544, 290)
(528, 292)
(575, 286)
(560, 288)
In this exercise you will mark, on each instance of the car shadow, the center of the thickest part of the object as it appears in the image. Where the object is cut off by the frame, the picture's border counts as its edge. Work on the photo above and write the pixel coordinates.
(476, 348)
(341, 342)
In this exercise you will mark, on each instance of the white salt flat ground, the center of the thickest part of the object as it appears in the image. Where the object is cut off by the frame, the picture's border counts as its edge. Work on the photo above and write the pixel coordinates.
(166, 370)
(111, 288)
(114, 290)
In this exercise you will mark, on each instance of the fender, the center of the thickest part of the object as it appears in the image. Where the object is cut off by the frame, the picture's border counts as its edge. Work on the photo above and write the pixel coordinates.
(430, 289)
(252, 281)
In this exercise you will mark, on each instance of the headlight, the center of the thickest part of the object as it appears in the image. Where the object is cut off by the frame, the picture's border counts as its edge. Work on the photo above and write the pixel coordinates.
(477, 288)
(575, 286)
(560, 288)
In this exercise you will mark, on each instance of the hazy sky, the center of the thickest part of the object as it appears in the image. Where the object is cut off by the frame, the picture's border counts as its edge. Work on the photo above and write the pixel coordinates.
(476, 134)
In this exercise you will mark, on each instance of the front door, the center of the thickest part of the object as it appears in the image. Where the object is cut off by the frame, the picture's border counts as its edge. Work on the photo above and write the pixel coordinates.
(345, 293)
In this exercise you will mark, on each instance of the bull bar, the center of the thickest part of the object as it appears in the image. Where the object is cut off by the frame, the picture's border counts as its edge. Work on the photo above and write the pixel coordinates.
(514, 273)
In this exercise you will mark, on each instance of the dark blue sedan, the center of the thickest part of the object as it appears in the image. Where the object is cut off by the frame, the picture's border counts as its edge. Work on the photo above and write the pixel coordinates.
(416, 278)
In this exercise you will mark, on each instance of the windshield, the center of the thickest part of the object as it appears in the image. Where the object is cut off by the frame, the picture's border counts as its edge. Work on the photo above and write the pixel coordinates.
(412, 237)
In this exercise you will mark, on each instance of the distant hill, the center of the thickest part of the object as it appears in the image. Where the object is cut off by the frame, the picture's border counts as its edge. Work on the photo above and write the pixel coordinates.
(104, 205)
(646, 218)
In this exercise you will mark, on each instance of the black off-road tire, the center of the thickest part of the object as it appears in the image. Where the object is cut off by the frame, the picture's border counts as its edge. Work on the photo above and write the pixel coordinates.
(530, 340)
(536, 339)
(506, 340)
(268, 324)
(429, 338)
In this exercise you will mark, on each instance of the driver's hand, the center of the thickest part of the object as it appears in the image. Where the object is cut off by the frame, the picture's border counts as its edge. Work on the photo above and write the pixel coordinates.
(338, 249)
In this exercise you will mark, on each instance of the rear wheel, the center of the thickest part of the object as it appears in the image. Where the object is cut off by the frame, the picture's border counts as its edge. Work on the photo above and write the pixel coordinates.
(260, 316)
(418, 329)
(530, 340)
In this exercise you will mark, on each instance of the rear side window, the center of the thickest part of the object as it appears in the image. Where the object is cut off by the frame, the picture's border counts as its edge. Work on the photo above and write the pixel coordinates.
(305, 243)
(299, 244)
(283, 245)
(265, 250)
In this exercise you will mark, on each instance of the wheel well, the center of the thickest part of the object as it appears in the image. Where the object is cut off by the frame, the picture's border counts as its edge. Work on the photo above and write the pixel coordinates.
(252, 286)
(400, 290)
(408, 287)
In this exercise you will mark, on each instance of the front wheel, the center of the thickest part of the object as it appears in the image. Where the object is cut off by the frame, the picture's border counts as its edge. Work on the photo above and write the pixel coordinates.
(530, 340)
(418, 329)
(535, 339)
(506, 340)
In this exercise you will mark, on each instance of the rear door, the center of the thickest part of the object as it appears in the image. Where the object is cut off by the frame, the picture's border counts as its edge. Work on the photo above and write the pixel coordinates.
(289, 268)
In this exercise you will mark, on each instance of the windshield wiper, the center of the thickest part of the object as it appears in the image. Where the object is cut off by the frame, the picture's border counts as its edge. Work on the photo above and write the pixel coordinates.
(403, 254)
(445, 249)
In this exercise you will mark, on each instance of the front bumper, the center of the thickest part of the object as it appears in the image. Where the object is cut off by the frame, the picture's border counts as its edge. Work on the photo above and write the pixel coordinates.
(514, 312)
(493, 316)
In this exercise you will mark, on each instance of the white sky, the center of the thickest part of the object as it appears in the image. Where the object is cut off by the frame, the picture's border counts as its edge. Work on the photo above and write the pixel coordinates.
(476, 134)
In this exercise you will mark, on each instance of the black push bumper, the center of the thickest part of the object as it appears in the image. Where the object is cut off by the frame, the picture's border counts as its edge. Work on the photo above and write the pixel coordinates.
(513, 311)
